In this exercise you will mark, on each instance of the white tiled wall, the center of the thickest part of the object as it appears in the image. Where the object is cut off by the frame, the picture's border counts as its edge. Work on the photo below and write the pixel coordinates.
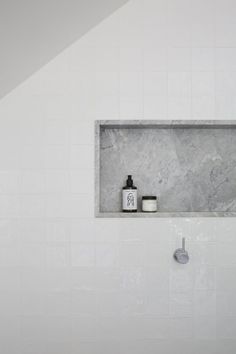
(74, 284)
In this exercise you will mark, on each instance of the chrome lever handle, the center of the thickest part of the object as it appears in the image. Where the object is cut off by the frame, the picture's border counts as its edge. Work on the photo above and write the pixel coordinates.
(183, 243)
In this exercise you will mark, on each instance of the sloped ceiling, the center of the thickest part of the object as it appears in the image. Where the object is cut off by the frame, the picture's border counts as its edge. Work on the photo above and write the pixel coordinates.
(32, 32)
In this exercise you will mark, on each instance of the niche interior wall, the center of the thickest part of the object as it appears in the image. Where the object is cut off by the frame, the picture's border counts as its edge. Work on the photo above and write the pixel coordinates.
(189, 165)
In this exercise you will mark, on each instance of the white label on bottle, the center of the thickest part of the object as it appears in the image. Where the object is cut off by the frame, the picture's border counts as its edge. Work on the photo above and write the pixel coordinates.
(129, 199)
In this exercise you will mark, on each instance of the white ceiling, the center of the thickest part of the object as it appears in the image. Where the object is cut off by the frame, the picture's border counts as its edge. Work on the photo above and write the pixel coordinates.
(32, 32)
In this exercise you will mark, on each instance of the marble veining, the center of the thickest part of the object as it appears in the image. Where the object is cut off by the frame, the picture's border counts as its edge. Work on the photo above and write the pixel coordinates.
(191, 169)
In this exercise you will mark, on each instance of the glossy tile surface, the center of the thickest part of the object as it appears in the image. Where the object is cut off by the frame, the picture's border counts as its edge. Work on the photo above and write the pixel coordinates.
(72, 283)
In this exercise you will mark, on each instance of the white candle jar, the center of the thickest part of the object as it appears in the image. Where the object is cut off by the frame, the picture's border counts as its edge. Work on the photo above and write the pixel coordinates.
(149, 204)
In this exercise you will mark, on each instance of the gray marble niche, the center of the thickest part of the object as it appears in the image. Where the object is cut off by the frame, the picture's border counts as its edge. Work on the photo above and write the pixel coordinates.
(189, 165)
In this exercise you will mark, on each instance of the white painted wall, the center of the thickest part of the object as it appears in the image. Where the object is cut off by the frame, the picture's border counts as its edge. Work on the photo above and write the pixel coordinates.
(33, 32)
(74, 284)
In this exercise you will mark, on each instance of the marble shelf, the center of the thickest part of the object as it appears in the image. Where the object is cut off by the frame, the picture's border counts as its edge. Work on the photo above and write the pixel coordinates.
(165, 215)
(189, 164)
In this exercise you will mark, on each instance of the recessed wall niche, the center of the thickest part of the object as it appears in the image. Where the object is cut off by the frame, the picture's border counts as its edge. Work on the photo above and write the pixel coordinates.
(189, 165)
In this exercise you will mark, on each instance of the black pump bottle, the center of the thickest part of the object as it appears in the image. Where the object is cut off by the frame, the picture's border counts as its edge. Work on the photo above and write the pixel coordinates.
(129, 196)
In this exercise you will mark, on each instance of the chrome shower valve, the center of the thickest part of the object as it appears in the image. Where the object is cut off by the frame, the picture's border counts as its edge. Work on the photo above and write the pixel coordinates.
(181, 255)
